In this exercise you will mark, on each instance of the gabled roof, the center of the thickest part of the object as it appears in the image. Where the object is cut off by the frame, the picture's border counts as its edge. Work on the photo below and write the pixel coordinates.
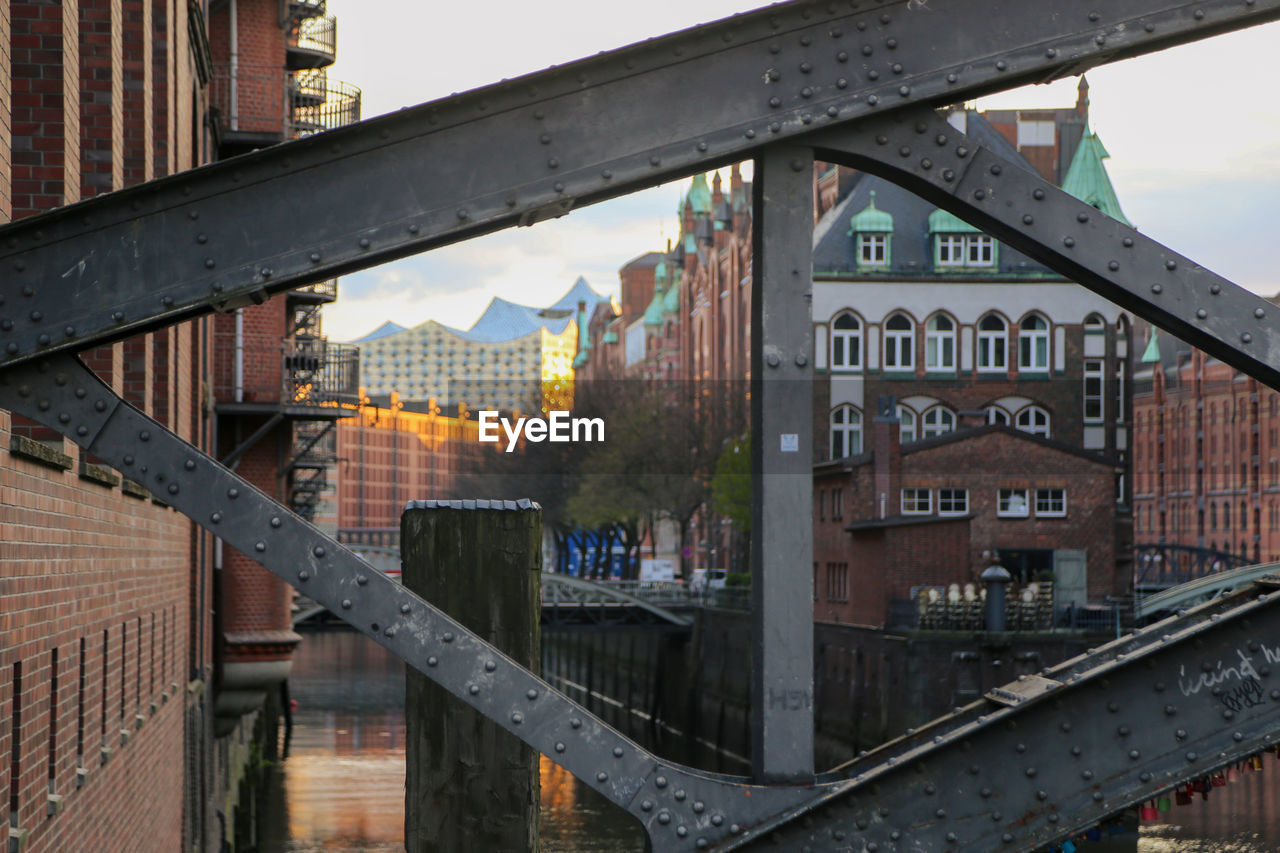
(1088, 181)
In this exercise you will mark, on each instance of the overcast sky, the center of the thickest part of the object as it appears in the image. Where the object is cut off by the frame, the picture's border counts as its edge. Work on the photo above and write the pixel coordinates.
(1193, 132)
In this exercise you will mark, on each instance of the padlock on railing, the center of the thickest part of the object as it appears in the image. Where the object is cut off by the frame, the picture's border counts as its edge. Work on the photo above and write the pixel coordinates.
(1147, 813)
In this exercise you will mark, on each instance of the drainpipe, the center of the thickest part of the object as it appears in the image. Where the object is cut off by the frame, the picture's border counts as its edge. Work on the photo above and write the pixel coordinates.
(235, 69)
(239, 348)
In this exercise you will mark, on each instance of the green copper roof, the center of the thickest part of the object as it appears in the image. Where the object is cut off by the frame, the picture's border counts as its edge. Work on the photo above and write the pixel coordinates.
(653, 314)
(660, 273)
(609, 337)
(945, 222)
(700, 196)
(871, 220)
(671, 302)
(584, 331)
(1151, 355)
(1087, 178)
(580, 359)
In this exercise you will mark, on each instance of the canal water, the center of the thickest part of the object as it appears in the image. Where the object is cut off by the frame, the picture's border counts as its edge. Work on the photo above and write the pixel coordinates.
(340, 788)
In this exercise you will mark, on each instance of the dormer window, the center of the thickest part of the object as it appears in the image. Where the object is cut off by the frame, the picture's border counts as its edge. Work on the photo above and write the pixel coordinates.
(957, 244)
(872, 229)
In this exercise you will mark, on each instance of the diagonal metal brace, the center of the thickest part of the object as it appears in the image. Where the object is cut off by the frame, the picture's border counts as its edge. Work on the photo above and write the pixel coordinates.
(537, 146)
(923, 153)
(680, 808)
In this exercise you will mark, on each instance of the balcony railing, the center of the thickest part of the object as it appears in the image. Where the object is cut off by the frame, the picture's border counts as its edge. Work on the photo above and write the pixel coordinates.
(314, 42)
(321, 105)
(328, 289)
(294, 372)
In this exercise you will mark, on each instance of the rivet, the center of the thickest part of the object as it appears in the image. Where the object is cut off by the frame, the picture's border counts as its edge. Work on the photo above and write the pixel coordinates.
(361, 580)
(1001, 65)
(275, 520)
(1076, 751)
(1134, 754)
(518, 718)
(896, 68)
(904, 151)
(995, 168)
(447, 637)
(926, 163)
(209, 263)
(979, 194)
(1068, 241)
(717, 820)
(64, 418)
(660, 782)
(1097, 796)
(1037, 194)
(842, 56)
(82, 430)
(43, 340)
(805, 67)
(775, 102)
(775, 127)
(490, 666)
(984, 793)
(128, 460)
(872, 100)
(772, 359)
(1007, 838)
(1144, 776)
(1170, 710)
(1245, 337)
(749, 134)
(389, 632)
(1191, 756)
(1259, 313)
(962, 151)
(462, 213)
(1198, 14)
(560, 748)
(173, 488)
(1237, 736)
(680, 795)
(346, 605)
(702, 146)
(806, 92)
(1028, 219)
(904, 91)
(318, 550)
(1113, 265)
(1123, 731)
(216, 518)
(1031, 772)
(145, 435)
(951, 78)
(1215, 289)
(833, 111)
(930, 788)
(232, 493)
(413, 229)
(1157, 288)
(1099, 40)
(473, 689)
(302, 575)
(664, 818)
(948, 175)
(1180, 734)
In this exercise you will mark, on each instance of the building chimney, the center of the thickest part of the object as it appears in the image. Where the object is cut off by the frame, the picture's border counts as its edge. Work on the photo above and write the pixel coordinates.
(886, 454)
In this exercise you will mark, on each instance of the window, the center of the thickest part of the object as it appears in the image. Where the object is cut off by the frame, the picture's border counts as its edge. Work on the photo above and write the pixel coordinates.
(949, 250)
(1118, 402)
(1012, 503)
(1033, 343)
(846, 342)
(1051, 502)
(873, 250)
(899, 343)
(937, 421)
(1213, 518)
(1095, 323)
(953, 501)
(837, 581)
(822, 504)
(982, 250)
(940, 343)
(997, 415)
(837, 504)
(917, 501)
(992, 341)
(906, 425)
(1226, 516)
(1093, 389)
(1034, 420)
(846, 431)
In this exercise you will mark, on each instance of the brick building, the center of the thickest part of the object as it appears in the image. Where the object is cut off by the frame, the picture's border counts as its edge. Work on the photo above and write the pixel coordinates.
(902, 517)
(1206, 455)
(116, 732)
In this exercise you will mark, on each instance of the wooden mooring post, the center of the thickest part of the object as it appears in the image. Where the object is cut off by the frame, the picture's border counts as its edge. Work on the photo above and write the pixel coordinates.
(470, 785)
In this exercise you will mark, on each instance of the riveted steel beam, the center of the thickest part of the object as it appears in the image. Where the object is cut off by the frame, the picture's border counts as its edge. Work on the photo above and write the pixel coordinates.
(782, 466)
(922, 152)
(681, 809)
(537, 147)
(1056, 753)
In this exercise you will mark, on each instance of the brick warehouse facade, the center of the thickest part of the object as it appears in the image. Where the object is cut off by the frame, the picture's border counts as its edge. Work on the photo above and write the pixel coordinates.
(115, 674)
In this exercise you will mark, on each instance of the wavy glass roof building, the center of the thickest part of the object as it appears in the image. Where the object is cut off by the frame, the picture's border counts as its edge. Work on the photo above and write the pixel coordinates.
(513, 358)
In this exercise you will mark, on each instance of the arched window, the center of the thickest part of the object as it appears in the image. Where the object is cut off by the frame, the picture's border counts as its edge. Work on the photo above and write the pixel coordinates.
(997, 415)
(1226, 517)
(846, 342)
(1095, 323)
(1244, 516)
(899, 343)
(846, 431)
(1034, 420)
(906, 424)
(940, 343)
(1033, 343)
(993, 338)
(937, 421)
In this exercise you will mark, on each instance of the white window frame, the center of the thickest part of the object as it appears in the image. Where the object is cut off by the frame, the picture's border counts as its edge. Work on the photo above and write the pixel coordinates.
(1095, 385)
(1033, 344)
(1051, 503)
(850, 341)
(915, 501)
(850, 429)
(940, 344)
(953, 501)
(939, 420)
(1005, 506)
(1026, 421)
(998, 415)
(899, 344)
(873, 250)
(993, 346)
(907, 422)
(949, 250)
(980, 251)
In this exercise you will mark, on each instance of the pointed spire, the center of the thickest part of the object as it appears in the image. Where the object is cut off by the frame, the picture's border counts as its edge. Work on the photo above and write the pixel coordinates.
(1151, 355)
(1082, 96)
(1087, 178)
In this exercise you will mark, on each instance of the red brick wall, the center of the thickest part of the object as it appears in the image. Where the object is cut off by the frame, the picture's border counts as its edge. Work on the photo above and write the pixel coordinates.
(6, 107)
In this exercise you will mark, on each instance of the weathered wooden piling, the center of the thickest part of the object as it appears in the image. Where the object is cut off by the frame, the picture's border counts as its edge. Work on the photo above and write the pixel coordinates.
(470, 785)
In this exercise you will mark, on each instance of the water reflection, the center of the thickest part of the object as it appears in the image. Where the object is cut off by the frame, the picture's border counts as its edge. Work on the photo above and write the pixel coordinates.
(1243, 817)
(341, 787)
